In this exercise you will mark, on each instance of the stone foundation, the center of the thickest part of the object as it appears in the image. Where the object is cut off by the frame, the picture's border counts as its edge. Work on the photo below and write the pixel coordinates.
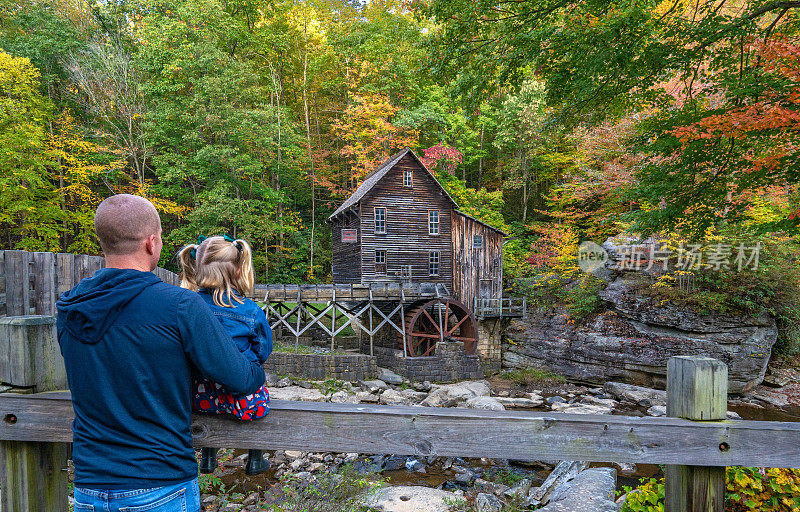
(490, 343)
(349, 367)
(449, 364)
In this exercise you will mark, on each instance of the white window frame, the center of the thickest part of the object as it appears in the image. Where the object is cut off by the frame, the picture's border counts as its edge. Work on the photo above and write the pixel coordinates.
(433, 225)
(433, 263)
(380, 228)
(408, 180)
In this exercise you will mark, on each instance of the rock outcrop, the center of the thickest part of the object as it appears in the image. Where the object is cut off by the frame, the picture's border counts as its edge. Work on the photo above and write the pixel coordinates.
(636, 335)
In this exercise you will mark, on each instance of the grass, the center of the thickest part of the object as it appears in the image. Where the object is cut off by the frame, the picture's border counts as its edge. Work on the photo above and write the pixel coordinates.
(345, 491)
(532, 376)
(289, 348)
(332, 386)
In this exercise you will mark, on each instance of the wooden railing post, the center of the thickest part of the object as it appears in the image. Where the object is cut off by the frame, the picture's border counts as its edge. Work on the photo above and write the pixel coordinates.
(33, 476)
(697, 389)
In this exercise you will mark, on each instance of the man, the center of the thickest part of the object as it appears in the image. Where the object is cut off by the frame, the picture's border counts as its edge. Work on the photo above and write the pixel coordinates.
(130, 343)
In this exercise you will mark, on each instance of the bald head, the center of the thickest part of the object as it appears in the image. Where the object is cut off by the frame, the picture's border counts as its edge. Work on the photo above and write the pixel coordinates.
(124, 222)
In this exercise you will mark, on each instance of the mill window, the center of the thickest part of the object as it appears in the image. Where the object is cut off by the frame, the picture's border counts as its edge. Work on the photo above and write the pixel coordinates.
(407, 179)
(433, 222)
(380, 220)
(433, 263)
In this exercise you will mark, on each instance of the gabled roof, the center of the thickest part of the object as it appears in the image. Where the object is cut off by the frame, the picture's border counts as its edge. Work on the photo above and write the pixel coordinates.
(481, 222)
(377, 175)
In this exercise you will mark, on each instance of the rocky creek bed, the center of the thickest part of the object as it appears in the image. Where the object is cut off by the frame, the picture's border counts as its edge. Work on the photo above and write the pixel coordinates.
(485, 484)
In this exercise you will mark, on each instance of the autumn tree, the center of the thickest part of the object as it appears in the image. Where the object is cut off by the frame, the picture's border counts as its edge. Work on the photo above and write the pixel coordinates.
(369, 137)
(29, 207)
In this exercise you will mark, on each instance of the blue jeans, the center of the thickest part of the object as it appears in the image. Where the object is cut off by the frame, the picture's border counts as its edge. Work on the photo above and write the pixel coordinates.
(184, 497)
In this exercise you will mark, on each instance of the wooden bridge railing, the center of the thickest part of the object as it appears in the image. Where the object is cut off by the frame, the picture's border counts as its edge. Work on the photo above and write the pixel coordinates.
(31, 282)
(34, 429)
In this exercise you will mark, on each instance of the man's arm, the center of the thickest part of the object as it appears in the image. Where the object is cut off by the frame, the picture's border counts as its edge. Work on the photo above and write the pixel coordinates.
(212, 350)
(263, 336)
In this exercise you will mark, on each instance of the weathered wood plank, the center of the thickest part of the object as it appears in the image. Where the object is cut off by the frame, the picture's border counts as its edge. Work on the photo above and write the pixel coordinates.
(311, 426)
(697, 389)
(65, 272)
(33, 476)
(17, 267)
(33, 358)
(44, 271)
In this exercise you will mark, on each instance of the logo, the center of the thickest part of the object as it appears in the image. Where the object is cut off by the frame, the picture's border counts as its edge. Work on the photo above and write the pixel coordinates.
(591, 257)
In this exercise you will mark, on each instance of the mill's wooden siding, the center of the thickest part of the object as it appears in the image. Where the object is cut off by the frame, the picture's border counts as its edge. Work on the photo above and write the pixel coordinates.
(346, 262)
(479, 272)
(406, 241)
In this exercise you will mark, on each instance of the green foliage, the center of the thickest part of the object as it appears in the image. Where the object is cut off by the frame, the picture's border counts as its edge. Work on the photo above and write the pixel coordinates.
(29, 204)
(647, 497)
(331, 386)
(747, 490)
(483, 205)
(527, 377)
(344, 491)
(506, 477)
(579, 297)
(762, 489)
(289, 347)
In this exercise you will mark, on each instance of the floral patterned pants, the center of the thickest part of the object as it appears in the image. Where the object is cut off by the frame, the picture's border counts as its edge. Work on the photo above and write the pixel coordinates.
(210, 397)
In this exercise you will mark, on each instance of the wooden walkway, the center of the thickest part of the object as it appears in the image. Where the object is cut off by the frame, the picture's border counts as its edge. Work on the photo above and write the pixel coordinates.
(388, 291)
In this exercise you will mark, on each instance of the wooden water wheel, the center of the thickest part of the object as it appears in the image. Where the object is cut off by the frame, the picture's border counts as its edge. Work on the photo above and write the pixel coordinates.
(428, 322)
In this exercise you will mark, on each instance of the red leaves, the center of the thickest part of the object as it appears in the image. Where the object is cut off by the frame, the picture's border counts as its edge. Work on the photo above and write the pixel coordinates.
(441, 155)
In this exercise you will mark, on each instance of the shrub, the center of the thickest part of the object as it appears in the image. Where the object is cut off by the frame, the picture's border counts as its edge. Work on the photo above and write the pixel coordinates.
(772, 489)
(747, 490)
(345, 491)
(648, 497)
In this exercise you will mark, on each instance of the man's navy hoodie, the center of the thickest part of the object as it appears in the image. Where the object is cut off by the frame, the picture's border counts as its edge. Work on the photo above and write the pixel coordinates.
(130, 343)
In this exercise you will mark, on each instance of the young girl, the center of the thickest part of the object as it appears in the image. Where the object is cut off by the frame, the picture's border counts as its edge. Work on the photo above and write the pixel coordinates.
(220, 269)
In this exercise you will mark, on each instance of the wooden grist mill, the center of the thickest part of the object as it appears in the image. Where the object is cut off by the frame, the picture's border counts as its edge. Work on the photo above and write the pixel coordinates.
(410, 271)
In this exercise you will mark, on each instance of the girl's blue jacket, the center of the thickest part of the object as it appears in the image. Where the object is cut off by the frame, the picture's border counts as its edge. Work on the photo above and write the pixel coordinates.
(246, 323)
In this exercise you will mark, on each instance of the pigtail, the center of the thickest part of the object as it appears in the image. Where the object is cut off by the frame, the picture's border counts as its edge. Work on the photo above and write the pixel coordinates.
(246, 280)
(188, 260)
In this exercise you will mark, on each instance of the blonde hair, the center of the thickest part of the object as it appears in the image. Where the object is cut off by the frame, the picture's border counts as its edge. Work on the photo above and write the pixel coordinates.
(218, 265)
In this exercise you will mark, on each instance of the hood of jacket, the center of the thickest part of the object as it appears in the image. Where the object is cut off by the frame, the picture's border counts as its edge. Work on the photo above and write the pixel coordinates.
(88, 310)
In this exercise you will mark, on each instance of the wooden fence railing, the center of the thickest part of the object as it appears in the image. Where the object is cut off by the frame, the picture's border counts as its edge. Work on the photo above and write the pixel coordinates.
(31, 282)
(35, 428)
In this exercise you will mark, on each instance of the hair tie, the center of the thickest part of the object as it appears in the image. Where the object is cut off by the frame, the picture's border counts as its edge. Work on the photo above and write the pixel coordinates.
(193, 253)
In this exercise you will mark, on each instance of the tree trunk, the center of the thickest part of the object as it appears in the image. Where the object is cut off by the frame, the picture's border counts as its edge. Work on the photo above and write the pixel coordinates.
(308, 144)
(480, 163)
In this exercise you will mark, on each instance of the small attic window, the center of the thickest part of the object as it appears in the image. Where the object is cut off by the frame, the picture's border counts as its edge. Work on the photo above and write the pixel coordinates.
(407, 179)
(477, 241)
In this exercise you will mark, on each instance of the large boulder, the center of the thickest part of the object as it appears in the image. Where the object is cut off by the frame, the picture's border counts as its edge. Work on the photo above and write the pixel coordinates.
(645, 397)
(592, 490)
(296, 393)
(454, 395)
(484, 402)
(405, 397)
(636, 335)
